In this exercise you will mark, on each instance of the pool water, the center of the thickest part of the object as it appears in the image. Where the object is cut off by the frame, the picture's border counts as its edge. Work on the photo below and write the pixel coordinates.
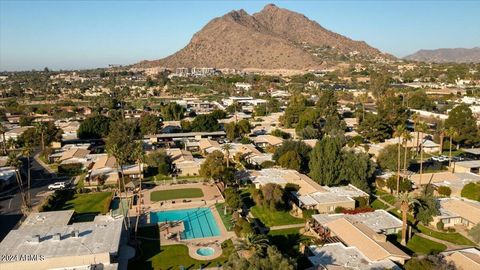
(198, 222)
(207, 251)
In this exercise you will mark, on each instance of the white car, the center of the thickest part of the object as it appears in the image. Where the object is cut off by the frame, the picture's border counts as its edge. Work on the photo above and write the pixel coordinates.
(56, 186)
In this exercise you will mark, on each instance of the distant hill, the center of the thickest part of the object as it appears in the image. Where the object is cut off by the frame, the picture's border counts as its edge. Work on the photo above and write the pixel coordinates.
(274, 38)
(457, 55)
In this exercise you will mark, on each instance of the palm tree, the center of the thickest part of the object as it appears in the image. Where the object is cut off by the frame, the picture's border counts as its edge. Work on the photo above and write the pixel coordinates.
(140, 157)
(41, 128)
(27, 152)
(406, 202)
(253, 243)
(17, 164)
(416, 117)
(3, 130)
(441, 133)
(227, 147)
(120, 158)
(406, 138)
(422, 127)
(451, 132)
(399, 133)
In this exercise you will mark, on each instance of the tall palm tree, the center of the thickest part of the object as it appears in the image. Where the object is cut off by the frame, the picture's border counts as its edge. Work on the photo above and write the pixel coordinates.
(140, 157)
(406, 202)
(253, 243)
(406, 138)
(441, 132)
(416, 118)
(422, 127)
(3, 130)
(27, 152)
(227, 147)
(16, 163)
(120, 158)
(41, 128)
(451, 132)
(400, 130)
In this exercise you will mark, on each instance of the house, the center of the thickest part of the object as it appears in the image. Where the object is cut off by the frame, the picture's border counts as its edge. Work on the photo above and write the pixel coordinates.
(243, 86)
(455, 211)
(69, 151)
(455, 181)
(14, 132)
(470, 166)
(69, 129)
(379, 220)
(46, 240)
(184, 162)
(336, 256)
(372, 245)
(263, 141)
(466, 258)
(75, 155)
(310, 194)
(104, 170)
(208, 146)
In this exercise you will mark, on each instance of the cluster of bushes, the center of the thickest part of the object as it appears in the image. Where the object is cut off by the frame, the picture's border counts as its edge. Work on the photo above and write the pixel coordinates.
(242, 227)
(441, 227)
(343, 210)
(71, 169)
(444, 191)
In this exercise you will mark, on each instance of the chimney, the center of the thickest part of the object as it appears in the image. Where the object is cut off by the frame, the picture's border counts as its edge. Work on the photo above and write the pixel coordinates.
(35, 239)
(75, 233)
(57, 237)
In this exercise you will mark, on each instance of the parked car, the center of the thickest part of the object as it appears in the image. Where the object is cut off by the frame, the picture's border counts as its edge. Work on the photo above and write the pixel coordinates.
(57, 186)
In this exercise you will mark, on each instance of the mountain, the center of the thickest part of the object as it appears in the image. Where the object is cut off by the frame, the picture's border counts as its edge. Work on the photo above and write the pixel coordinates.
(457, 55)
(274, 38)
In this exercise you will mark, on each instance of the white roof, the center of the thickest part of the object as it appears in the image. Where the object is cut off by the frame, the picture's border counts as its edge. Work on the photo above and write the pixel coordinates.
(378, 220)
(99, 236)
(338, 255)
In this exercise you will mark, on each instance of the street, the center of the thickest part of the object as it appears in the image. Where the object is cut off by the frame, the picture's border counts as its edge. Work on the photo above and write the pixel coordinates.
(10, 204)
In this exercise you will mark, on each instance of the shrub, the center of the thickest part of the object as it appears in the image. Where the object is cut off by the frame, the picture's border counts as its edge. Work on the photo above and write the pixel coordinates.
(444, 191)
(70, 169)
(471, 191)
(380, 183)
(307, 213)
(440, 225)
(451, 229)
(339, 209)
(357, 210)
(361, 202)
(242, 227)
(267, 164)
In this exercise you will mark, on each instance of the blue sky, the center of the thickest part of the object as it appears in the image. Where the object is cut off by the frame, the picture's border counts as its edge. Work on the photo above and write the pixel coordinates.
(85, 34)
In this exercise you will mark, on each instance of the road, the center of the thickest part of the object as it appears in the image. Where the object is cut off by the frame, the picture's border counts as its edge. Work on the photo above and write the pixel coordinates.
(10, 204)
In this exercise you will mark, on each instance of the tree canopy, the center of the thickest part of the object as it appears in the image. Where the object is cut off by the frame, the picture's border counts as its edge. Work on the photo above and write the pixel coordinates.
(300, 148)
(461, 119)
(94, 127)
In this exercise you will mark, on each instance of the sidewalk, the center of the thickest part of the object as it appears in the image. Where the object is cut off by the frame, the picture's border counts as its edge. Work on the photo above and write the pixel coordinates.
(44, 165)
(290, 226)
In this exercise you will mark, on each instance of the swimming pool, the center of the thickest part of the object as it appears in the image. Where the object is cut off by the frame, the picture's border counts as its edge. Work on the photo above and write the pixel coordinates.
(198, 222)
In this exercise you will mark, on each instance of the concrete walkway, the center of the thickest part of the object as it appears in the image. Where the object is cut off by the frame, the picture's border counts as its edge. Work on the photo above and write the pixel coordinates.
(290, 226)
(450, 246)
(43, 164)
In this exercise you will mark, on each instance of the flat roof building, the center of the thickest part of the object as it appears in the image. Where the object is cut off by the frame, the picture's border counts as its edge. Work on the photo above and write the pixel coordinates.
(45, 240)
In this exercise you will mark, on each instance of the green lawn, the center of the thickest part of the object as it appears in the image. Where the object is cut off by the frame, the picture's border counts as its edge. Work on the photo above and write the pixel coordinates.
(421, 245)
(154, 256)
(376, 204)
(98, 202)
(183, 193)
(454, 238)
(274, 218)
(226, 219)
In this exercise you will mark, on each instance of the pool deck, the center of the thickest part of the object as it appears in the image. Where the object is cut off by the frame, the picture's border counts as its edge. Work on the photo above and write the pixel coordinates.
(211, 196)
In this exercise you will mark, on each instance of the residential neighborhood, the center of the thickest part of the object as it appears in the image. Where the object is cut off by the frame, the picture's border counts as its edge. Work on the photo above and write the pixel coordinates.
(268, 142)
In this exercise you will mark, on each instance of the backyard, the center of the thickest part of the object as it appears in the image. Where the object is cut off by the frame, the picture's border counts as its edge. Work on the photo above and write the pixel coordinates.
(86, 205)
(183, 193)
(274, 218)
(420, 245)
